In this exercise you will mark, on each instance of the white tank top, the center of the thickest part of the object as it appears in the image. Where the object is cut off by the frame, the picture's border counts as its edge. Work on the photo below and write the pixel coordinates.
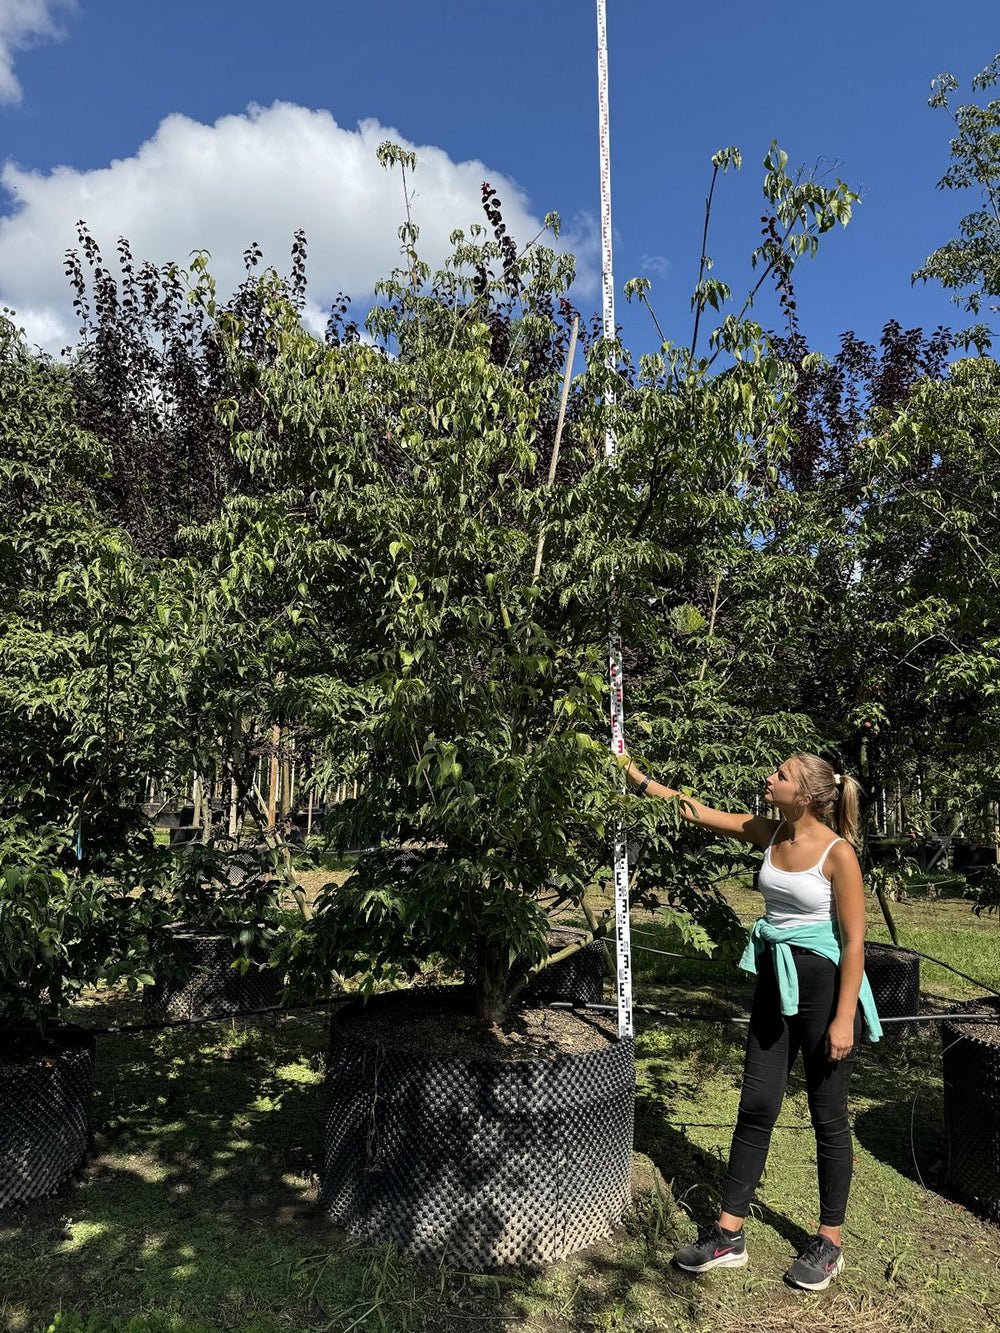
(796, 897)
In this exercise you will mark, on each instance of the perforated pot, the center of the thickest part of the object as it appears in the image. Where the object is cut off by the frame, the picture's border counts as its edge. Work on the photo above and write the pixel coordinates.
(894, 977)
(206, 984)
(45, 1088)
(578, 979)
(971, 1064)
(470, 1161)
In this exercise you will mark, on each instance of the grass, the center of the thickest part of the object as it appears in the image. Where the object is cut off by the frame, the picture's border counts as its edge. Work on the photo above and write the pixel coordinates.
(196, 1213)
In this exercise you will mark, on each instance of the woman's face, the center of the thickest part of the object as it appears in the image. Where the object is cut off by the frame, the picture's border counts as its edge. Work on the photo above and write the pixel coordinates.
(782, 786)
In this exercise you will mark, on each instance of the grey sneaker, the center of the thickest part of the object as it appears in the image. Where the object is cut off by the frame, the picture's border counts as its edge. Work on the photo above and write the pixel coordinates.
(817, 1265)
(712, 1249)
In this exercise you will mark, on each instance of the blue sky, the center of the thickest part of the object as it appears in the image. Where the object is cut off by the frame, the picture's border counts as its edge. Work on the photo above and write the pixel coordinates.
(502, 90)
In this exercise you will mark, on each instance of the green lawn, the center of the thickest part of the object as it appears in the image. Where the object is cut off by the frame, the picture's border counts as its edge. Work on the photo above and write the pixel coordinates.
(195, 1212)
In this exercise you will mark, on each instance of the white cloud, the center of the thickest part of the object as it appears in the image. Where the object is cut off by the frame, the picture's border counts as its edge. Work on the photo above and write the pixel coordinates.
(21, 23)
(658, 265)
(251, 177)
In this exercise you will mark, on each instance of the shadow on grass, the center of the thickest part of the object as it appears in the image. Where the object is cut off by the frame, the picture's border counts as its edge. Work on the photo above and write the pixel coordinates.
(198, 1196)
(198, 1205)
(898, 1118)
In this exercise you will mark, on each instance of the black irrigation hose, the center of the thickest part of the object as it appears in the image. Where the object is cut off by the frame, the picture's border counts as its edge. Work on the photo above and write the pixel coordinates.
(918, 1018)
(162, 1024)
(669, 953)
(711, 1018)
(705, 1124)
(647, 1009)
(975, 981)
(704, 958)
(707, 1018)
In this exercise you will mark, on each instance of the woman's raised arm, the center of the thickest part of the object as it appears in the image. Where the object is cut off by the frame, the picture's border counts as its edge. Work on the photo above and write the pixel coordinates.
(746, 827)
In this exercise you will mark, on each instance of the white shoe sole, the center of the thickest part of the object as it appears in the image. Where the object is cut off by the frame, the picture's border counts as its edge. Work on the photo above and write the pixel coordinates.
(726, 1261)
(820, 1286)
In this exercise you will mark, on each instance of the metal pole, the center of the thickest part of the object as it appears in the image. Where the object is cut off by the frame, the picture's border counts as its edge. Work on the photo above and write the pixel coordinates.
(623, 947)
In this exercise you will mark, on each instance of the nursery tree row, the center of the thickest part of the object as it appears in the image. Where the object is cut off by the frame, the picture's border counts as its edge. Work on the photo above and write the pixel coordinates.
(215, 523)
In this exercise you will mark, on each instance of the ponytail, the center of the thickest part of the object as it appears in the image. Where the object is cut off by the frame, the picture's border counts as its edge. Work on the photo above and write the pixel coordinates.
(847, 807)
(833, 795)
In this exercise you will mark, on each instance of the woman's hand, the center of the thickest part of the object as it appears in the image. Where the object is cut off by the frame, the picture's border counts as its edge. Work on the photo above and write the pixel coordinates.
(840, 1038)
(631, 771)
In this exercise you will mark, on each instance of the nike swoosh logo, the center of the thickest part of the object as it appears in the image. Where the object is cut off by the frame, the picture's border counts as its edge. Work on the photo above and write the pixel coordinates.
(719, 1253)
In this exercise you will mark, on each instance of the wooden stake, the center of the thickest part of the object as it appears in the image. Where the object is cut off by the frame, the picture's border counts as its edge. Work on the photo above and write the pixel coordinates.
(883, 902)
(231, 826)
(567, 376)
(286, 783)
(711, 623)
(276, 843)
(272, 793)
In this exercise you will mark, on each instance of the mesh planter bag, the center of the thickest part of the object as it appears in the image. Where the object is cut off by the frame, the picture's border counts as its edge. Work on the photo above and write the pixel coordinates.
(242, 866)
(894, 977)
(208, 985)
(474, 1162)
(44, 1099)
(971, 1062)
(395, 862)
(578, 979)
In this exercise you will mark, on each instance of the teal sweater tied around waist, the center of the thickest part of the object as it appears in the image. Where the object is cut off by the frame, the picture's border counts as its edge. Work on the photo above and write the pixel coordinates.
(822, 939)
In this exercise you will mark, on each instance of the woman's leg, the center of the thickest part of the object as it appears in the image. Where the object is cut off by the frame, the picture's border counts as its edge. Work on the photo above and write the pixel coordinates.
(827, 1085)
(771, 1049)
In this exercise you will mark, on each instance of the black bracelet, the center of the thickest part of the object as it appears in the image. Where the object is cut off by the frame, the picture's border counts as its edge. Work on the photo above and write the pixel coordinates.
(641, 790)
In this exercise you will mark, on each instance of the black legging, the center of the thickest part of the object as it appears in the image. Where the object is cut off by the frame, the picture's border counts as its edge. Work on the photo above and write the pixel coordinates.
(772, 1045)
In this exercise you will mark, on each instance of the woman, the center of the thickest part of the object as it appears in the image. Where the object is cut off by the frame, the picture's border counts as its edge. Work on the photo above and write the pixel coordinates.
(811, 994)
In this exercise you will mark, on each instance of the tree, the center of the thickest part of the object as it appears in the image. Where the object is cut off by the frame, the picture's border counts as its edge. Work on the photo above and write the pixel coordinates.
(60, 930)
(88, 670)
(406, 489)
(147, 379)
(969, 264)
(843, 667)
(86, 676)
(930, 586)
(148, 374)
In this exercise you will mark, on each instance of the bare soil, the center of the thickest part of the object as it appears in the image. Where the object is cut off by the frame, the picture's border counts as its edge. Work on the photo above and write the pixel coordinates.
(435, 1028)
(988, 1032)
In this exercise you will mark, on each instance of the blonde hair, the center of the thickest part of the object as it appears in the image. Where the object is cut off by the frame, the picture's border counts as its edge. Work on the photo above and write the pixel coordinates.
(833, 796)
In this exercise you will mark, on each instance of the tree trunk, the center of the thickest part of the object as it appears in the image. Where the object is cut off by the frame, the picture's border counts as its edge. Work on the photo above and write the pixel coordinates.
(866, 801)
(491, 982)
(883, 902)
(202, 808)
